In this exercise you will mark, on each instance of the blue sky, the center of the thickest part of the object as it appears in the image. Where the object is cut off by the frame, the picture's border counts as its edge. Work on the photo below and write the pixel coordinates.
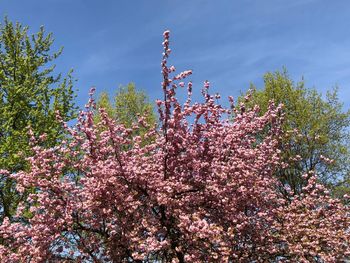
(230, 43)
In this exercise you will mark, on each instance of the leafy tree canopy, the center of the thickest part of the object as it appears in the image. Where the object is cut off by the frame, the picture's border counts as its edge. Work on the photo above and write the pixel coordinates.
(30, 95)
(128, 106)
(317, 134)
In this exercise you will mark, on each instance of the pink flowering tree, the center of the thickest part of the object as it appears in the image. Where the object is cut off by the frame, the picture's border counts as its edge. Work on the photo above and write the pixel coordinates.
(202, 190)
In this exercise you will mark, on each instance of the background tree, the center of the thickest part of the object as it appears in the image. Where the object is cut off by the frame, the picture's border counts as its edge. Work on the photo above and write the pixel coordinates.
(129, 104)
(104, 101)
(317, 134)
(30, 95)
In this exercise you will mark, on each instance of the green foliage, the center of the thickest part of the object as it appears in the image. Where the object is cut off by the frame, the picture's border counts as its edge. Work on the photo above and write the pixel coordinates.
(129, 104)
(30, 95)
(317, 130)
(105, 102)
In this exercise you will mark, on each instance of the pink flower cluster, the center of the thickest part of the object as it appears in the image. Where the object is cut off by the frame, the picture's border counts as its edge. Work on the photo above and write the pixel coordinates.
(201, 191)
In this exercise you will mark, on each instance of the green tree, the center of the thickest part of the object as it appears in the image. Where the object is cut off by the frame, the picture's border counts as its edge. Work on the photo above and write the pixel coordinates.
(317, 130)
(30, 95)
(129, 104)
(104, 101)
